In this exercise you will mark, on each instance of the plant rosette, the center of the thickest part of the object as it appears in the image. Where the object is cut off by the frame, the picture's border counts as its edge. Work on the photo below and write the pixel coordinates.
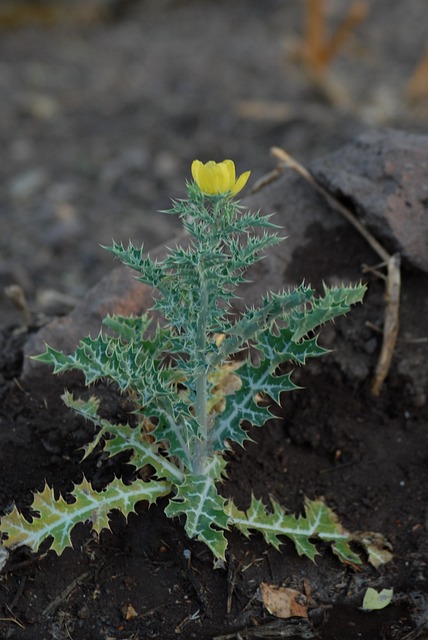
(194, 382)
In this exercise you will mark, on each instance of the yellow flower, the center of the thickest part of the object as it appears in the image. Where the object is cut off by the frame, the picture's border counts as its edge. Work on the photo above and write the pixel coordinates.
(214, 178)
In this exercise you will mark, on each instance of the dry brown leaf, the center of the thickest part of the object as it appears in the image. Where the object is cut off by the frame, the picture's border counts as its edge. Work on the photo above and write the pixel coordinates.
(376, 545)
(282, 602)
(129, 612)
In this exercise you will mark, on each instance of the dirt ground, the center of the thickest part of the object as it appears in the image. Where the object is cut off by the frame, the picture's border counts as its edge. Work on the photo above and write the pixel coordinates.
(99, 123)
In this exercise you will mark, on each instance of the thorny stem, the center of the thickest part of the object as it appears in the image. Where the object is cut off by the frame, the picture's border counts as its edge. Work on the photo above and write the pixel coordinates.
(201, 413)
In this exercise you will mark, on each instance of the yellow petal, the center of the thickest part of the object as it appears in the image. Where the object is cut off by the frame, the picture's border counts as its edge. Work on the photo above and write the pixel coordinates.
(224, 183)
(240, 183)
(204, 183)
(196, 168)
(211, 179)
(231, 170)
(214, 178)
(201, 177)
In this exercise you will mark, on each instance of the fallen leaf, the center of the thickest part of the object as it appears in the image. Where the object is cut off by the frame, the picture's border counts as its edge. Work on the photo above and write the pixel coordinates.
(282, 602)
(374, 600)
(129, 612)
(376, 546)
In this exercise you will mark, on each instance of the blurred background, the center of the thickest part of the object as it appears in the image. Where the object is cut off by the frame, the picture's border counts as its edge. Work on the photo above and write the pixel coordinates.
(105, 103)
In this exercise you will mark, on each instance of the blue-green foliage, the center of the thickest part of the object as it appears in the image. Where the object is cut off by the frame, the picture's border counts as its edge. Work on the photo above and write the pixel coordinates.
(173, 371)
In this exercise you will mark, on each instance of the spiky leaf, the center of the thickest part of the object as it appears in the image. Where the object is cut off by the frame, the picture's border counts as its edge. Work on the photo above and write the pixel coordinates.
(121, 438)
(278, 347)
(335, 302)
(198, 500)
(57, 517)
(318, 521)
(257, 320)
(243, 406)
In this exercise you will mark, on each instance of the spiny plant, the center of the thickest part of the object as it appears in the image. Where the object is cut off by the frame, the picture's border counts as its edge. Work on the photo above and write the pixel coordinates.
(195, 380)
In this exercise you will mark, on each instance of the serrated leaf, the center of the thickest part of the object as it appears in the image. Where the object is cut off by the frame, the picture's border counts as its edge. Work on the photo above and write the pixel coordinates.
(56, 517)
(120, 438)
(278, 346)
(135, 329)
(129, 328)
(335, 302)
(318, 521)
(144, 453)
(137, 366)
(198, 500)
(254, 321)
(179, 434)
(151, 272)
(243, 406)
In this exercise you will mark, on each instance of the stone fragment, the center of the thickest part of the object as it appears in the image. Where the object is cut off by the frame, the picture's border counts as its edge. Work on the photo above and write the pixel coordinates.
(118, 292)
(383, 177)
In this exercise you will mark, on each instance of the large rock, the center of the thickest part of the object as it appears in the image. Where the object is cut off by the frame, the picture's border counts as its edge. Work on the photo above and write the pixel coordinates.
(383, 177)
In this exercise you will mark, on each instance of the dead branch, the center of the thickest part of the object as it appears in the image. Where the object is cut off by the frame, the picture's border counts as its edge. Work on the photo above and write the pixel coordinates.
(393, 277)
(417, 87)
(84, 577)
(270, 177)
(317, 49)
(293, 628)
(391, 323)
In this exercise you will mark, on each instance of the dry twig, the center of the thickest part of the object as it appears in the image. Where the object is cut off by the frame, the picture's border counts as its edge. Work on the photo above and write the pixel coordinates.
(317, 49)
(392, 263)
(84, 577)
(391, 322)
(293, 628)
(13, 619)
(417, 87)
(18, 593)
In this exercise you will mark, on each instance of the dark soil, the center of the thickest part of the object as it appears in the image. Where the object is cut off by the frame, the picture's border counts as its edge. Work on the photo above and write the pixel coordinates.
(99, 124)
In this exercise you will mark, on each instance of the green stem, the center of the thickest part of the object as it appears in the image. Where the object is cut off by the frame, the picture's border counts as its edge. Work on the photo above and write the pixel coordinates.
(201, 413)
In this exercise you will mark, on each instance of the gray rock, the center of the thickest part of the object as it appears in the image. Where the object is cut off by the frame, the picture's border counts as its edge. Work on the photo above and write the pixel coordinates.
(383, 177)
(118, 292)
